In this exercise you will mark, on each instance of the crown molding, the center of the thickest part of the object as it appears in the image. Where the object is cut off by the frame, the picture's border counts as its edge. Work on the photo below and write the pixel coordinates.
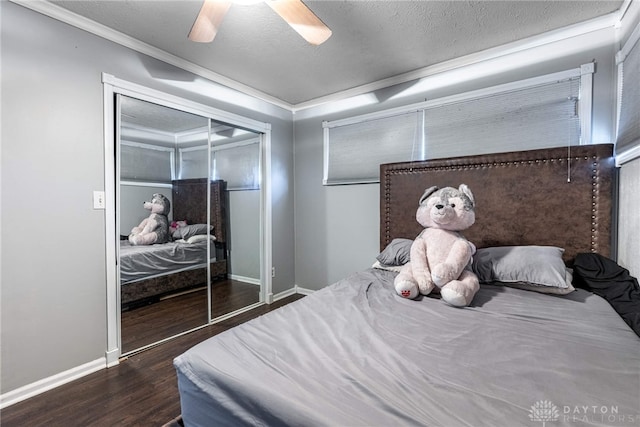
(606, 21)
(610, 20)
(61, 14)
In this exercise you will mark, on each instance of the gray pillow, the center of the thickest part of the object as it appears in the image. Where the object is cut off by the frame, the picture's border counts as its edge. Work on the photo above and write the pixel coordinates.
(398, 252)
(527, 265)
(191, 230)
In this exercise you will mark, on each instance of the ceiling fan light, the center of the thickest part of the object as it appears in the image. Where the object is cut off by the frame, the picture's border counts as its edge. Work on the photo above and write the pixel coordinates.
(312, 34)
(208, 20)
(302, 20)
(294, 12)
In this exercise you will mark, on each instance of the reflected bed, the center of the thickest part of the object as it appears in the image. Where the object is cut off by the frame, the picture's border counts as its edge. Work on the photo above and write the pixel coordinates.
(150, 272)
(146, 262)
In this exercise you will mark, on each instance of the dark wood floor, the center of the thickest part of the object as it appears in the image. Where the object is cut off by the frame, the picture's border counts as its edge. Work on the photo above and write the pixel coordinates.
(176, 314)
(141, 391)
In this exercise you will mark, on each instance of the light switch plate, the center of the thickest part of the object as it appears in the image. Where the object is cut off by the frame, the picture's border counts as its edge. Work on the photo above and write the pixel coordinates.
(98, 200)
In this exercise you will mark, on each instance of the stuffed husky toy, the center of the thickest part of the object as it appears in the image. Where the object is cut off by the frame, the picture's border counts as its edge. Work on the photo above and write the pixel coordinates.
(440, 256)
(154, 228)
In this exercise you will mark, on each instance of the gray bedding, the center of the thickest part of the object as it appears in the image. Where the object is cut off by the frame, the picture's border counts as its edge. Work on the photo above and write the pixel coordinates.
(355, 354)
(145, 262)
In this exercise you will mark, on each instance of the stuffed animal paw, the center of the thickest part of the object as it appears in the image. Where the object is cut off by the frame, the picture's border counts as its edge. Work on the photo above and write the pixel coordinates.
(460, 293)
(407, 289)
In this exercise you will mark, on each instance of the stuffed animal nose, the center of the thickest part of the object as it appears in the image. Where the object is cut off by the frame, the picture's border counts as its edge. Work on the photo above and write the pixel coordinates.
(439, 207)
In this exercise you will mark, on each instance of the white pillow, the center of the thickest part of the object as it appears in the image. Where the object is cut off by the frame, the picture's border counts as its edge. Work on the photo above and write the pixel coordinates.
(197, 238)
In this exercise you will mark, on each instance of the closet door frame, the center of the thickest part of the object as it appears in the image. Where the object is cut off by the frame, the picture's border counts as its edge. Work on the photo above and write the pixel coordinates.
(112, 86)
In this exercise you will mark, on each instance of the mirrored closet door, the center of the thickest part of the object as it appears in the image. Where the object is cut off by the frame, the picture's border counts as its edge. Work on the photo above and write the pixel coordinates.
(187, 218)
(236, 161)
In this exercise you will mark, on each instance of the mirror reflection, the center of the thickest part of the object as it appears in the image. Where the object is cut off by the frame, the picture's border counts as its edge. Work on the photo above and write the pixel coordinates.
(189, 215)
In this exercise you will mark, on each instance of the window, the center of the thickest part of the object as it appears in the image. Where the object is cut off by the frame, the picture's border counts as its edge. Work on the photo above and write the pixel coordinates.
(192, 162)
(354, 151)
(146, 163)
(628, 129)
(237, 163)
(529, 114)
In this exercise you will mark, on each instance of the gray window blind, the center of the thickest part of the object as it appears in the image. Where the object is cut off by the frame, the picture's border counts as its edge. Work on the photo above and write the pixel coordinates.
(629, 109)
(529, 118)
(354, 152)
(538, 113)
(193, 163)
(145, 163)
(238, 165)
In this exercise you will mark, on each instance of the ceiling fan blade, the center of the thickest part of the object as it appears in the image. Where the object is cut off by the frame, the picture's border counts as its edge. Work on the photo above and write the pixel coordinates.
(208, 20)
(301, 19)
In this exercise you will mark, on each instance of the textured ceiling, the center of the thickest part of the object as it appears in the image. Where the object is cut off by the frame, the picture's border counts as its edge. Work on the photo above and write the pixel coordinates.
(371, 41)
(142, 114)
(165, 126)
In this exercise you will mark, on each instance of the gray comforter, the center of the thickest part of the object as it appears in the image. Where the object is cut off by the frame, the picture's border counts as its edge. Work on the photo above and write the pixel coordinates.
(355, 354)
(148, 261)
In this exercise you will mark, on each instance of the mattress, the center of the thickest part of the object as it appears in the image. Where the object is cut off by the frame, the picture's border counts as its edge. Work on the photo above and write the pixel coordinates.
(145, 262)
(356, 354)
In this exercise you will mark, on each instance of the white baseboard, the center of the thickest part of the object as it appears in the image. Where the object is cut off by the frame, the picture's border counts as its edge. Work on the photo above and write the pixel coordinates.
(303, 291)
(112, 357)
(38, 387)
(245, 279)
(295, 290)
(283, 294)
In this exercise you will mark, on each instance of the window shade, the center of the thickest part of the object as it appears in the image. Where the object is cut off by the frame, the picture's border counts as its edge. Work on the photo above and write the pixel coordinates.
(239, 165)
(532, 114)
(144, 164)
(354, 152)
(193, 163)
(529, 118)
(629, 112)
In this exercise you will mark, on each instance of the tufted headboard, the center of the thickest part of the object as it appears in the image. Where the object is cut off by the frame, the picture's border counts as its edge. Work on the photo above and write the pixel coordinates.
(190, 203)
(554, 197)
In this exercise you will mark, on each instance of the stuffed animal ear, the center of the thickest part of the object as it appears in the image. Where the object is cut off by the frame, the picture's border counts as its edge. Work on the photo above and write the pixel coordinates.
(467, 192)
(428, 192)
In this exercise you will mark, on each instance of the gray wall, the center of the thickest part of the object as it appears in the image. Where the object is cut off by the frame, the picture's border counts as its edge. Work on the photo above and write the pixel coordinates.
(337, 227)
(53, 242)
(244, 232)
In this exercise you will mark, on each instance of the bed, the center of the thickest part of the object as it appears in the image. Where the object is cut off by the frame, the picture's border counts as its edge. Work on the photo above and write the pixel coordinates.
(150, 272)
(355, 354)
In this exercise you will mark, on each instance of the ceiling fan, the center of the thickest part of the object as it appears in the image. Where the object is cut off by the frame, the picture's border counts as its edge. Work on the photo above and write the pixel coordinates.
(296, 13)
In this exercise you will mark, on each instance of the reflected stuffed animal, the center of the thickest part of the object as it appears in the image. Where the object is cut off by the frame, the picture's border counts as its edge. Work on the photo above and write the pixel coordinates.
(154, 228)
(440, 255)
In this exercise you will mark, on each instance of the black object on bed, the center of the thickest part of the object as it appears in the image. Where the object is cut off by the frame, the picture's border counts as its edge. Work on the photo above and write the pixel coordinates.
(606, 278)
